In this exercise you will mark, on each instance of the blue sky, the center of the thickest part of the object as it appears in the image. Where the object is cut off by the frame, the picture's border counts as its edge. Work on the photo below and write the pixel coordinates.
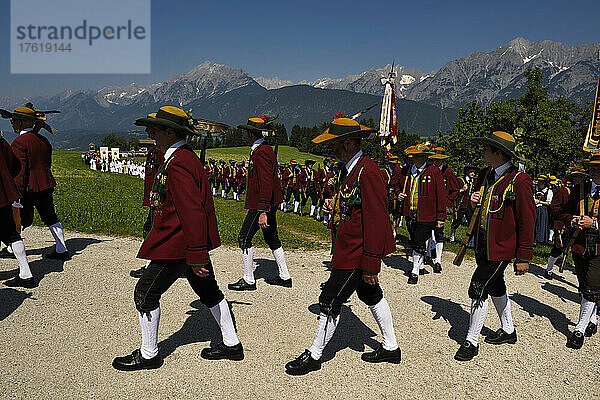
(312, 39)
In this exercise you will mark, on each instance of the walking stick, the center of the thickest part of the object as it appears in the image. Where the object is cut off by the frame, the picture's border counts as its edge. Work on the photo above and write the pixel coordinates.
(566, 250)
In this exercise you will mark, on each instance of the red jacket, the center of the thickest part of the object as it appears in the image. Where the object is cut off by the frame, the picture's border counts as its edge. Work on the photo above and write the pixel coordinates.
(263, 189)
(35, 153)
(154, 159)
(301, 180)
(363, 239)
(9, 169)
(560, 196)
(286, 177)
(510, 229)
(452, 184)
(463, 200)
(433, 195)
(184, 225)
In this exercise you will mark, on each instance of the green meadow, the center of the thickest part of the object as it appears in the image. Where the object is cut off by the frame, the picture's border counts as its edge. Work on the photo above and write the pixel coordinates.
(104, 203)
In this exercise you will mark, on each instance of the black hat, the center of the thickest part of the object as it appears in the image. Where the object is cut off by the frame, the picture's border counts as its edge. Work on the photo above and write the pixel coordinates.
(345, 128)
(170, 117)
(503, 141)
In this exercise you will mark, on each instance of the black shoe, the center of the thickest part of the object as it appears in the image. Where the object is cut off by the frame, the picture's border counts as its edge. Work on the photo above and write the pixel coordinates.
(64, 256)
(414, 278)
(135, 362)
(303, 364)
(466, 351)
(222, 352)
(575, 341)
(501, 337)
(548, 275)
(591, 329)
(423, 271)
(382, 355)
(437, 268)
(427, 260)
(4, 253)
(279, 282)
(17, 281)
(137, 273)
(242, 285)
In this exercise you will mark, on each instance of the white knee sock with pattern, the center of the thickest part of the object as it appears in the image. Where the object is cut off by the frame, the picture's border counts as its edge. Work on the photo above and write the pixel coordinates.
(585, 314)
(223, 317)
(502, 305)
(383, 315)
(149, 326)
(476, 320)
(417, 262)
(325, 330)
(18, 249)
(281, 265)
(248, 260)
(59, 237)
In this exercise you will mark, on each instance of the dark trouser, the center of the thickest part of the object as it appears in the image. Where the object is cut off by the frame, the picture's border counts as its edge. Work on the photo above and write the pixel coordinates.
(8, 230)
(297, 195)
(488, 278)
(44, 204)
(340, 286)
(250, 227)
(161, 274)
(314, 197)
(147, 225)
(588, 275)
(438, 233)
(556, 251)
(461, 216)
(419, 233)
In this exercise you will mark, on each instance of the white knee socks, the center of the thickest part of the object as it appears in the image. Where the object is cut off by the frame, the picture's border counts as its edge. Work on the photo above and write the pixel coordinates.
(551, 261)
(222, 315)
(382, 314)
(585, 314)
(281, 265)
(59, 237)
(248, 259)
(324, 334)
(476, 320)
(296, 205)
(594, 317)
(417, 262)
(149, 326)
(18, 249)
(439, 248)
(502, 305)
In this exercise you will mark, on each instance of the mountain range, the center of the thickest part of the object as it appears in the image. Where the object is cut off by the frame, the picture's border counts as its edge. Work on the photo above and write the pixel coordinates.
(426, 102)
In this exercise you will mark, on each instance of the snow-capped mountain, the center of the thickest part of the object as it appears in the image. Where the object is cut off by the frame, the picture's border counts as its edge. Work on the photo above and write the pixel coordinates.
(272, 83)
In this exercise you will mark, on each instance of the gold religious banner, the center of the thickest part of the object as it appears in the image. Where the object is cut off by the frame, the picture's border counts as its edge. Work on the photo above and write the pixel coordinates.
(592, 139)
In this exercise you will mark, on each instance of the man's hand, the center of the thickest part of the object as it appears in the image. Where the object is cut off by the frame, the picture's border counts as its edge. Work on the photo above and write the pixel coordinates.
(585, 222)
(200, 271)
(521, 268)
(440, 224)
(475, 197)
(401, 196)
(262, 220)
(328, 205)
(370, 278)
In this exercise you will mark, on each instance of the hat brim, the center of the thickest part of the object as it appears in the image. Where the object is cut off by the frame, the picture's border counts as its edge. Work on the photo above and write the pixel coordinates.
(166, 123)
(251, 128)
(17, 115)
(439, 156)
(362, 133)
(501, 146)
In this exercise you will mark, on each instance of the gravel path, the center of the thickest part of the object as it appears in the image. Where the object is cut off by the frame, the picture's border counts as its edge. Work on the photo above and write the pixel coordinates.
(58, 340)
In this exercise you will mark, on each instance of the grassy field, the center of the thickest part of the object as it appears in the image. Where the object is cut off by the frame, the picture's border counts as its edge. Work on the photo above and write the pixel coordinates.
(95, 202)
(284, 154)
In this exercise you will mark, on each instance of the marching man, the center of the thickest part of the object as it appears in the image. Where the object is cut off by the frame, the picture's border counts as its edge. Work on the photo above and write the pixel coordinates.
(504, 231)
(363, 236)
(263, 196)
(184, 230)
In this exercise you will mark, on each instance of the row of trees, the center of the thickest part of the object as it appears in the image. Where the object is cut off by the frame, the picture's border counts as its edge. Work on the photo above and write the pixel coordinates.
(113, 140)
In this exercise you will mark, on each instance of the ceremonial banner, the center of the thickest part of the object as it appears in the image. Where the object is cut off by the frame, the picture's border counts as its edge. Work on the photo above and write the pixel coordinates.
(104, 153)
(387, 122)
(592, 139)
(115, 153)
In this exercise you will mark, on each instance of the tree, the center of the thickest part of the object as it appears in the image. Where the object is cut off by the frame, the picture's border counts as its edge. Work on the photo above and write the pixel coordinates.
(133, 144)
(112, 140)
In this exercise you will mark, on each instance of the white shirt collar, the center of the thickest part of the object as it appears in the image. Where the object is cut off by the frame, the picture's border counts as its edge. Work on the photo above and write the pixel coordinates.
(172, 149)
(350, 164)
(593, 188)
(501, 170)
(256, 144)
(25, 130)
(416, 171)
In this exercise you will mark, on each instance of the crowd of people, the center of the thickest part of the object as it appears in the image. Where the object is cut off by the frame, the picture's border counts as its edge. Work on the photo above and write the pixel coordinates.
(362, 203)
(126, 165)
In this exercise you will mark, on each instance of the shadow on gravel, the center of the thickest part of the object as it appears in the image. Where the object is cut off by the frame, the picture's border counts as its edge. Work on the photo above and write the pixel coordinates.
(75, 246)
(398, 261)
(454, 314)
(265, 268)
(10, 300)
(351, 332)
(561, 292)
(533, 307)
(200, 326)
(539, 272)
